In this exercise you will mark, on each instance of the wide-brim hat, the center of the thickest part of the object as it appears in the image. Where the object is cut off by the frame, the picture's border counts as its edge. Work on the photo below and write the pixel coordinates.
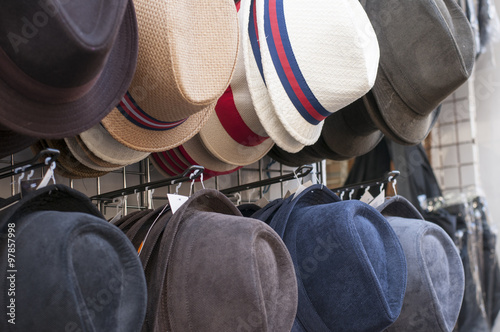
(12, 142)
(436, 281)
(258, 90)
(350, 267)
(185, 63)
(426, 53)
(80, 155)
(244, 274)
(233, 133)
(39, 101)
(67, 255)
(105, 147)
(314, 72)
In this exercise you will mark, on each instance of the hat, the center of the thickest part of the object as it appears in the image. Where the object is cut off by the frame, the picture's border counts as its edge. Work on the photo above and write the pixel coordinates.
(426, 53)
(74, 270)
(186, 59)
(12, 142)
(223, 272)
(435, 286)
(351, 132)
(64, 66)
(256, 85)
(193, 152)
(80, 155)
(105, 147)
(313, 72)
(233, 133)
(350, 267)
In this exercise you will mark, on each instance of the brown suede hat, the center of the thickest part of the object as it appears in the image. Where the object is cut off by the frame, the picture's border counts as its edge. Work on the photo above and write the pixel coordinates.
(221, 271)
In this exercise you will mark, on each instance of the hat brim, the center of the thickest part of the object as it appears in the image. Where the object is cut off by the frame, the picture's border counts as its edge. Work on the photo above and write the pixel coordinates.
(93, 157)
(80, 155)
(221, 145)
(145, 140)
(105, 147)
(199, 153)
(342, 139)
(293, 159)
(393, 116)
(44, 120)
(12, 142)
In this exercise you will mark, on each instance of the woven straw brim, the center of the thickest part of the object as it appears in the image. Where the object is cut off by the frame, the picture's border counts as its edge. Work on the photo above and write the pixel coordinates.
(80, 155)
(92, 157)
(37, 119)
(186, 56)
(221, 145)
(12, 142)
(105, 147)
(145, 140)
(69, 165)
(258, 90)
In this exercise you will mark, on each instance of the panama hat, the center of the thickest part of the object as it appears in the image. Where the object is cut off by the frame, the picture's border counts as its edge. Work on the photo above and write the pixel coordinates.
(436, 280)
(233, 133)
(100, 143)
(186, 59)
(426, 53)
(244, 278)
(257, 86)
(59, 75)
(75, 271)
(312, 73)
(350, 267)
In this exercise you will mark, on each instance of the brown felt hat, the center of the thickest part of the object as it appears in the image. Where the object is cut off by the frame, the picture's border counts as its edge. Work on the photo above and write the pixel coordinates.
(221, 271)
(185, 63)
(12, 142)
(64, 65)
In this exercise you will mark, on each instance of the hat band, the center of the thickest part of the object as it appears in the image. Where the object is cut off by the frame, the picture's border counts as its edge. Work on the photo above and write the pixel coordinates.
(286, 65)
(24, 84)
(132, 112)
(233, 123)
(253, 34)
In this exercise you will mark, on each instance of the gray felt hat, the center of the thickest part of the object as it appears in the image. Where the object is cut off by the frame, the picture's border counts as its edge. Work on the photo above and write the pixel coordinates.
(435, 285)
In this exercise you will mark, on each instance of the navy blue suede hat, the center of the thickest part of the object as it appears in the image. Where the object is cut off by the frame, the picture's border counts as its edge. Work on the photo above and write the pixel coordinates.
(73, 271)
(350, 267)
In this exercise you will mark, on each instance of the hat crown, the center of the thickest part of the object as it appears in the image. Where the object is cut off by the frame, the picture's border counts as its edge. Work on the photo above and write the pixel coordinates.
(61, 44)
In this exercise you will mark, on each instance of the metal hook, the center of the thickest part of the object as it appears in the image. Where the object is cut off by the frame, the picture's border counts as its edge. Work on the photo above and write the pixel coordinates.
(191, 188)
(351, 193)
(201, 180)
(394, 187)
(381, 187)
(238, 198)
(177, 188)
(342, 195)
(31, 174)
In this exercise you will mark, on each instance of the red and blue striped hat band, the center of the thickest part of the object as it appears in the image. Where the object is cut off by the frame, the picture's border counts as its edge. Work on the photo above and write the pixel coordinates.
(132, 112)
(284, 61)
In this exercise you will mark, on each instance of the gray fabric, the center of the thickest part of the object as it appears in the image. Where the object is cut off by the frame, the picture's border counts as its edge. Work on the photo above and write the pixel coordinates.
(435, 285)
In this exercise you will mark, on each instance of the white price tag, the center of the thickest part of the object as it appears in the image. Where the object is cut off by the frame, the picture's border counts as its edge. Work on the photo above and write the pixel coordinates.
(366, 198)
(379, 200)
(176, 201)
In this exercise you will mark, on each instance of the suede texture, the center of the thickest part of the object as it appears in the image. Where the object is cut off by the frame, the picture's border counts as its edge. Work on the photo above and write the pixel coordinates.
(349, 264)
(222, 271)
(436, 280)
(75, 271)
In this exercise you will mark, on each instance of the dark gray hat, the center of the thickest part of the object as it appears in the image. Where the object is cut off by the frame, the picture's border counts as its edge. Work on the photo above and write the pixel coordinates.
(73, 271)
(426, 53)
(435, 285)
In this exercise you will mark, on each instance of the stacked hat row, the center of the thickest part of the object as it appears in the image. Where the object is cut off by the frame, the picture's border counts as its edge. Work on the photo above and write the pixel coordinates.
(306, 263)
(329, 79)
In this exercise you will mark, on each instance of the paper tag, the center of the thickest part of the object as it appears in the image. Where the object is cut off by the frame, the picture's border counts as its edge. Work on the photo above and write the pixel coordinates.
(379, 200)
(262, 202)
(176, 201)
(288, 194)
(366, 198)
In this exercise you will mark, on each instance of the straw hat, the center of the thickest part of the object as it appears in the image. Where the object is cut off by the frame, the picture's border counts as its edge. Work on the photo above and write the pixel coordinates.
(59, 75)
(105, 147)
(186, 59)
(258, 90)
(234, 133)
(313, 72)
(80, 155)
